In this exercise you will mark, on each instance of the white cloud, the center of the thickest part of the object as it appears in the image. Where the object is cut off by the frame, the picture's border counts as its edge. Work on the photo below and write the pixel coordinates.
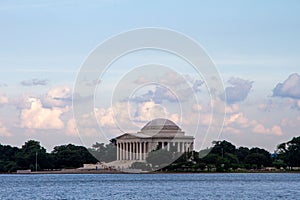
(240, 120)
(127, 118)
(4, 132)
(158, 95)
(236, 122)
(238, 91)
(83, 126)
(150, 110)
(233, 108)
(197, 107)
(275, 130)
(71, 127)
(60, 96)
(298, 103)
(289, 88)
(231, 130)
(34, 82)
(105, 116)
(38, 117)
(170, 87)
(3, 99)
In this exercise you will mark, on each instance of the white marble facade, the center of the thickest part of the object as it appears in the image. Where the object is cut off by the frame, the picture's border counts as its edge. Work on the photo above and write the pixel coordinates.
(157, 134)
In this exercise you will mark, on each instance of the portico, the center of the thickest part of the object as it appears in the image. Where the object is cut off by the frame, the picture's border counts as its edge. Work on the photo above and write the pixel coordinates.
(157, 134)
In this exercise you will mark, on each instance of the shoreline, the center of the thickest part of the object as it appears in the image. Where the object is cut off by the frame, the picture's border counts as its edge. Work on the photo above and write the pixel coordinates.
(74, 171)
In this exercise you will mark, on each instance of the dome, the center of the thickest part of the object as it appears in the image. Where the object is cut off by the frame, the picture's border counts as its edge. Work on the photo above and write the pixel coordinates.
(160, 124)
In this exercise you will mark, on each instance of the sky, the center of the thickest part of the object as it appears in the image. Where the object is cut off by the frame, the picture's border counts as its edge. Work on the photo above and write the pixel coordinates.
(254, 46)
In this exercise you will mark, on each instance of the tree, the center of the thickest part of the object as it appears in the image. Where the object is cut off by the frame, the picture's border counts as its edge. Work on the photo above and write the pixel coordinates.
(32, 153)
(255, 160)
(8, 158)
(211, 158)
(104, 152)
(242, 153)
(267, 156)
(278, 163)
(289, 152)
(159, 158)
(71, 156)
(222, 147)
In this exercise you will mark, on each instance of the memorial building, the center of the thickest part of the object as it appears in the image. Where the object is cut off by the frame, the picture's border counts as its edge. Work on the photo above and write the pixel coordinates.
(156, 134)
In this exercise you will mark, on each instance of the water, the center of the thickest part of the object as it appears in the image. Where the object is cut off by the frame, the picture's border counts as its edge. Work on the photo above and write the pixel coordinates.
(150, 186)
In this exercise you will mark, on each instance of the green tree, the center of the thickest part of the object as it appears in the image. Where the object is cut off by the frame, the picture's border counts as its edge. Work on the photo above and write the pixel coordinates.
(267, 161)
(159, 158)
(8, 158)
(289, 152)
(278, 163)
(104, 152)
(32, 153)
(222, 147)
(242, 153)
(71, 156)
(255, 160)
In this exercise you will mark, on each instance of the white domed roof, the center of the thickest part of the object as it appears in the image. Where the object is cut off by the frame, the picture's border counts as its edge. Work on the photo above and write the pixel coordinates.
(160, 124)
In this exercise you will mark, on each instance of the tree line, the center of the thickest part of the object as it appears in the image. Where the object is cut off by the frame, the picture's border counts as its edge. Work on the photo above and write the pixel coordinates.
(223, 156)
(33, 156)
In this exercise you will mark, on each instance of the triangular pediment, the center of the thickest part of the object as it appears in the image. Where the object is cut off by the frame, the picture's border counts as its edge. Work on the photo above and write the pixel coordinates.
(127, 136)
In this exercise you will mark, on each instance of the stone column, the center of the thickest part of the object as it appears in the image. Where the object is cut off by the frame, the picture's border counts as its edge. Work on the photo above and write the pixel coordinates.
(145, 150)
(178, 147)
(136, 150)
(126, 151)
(121, 151)
(117, 151)
(140, 151)
(168, 146)
(130, 150)
(187, 146)
(133, 151)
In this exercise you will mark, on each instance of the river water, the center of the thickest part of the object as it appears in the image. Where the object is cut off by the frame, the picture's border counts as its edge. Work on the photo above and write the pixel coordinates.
(151, 186)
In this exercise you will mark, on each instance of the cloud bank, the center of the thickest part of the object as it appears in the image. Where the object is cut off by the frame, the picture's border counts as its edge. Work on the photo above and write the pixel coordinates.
(59, 96)
(238, 91)
(290, 88)
(38, 117)
(34, 82)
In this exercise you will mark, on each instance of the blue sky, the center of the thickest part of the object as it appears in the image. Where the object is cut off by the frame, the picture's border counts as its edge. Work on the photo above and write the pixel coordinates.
(49, 40)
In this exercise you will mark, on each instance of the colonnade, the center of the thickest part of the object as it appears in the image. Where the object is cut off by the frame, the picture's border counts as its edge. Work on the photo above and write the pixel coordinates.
(132, 150)
(139, 150)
